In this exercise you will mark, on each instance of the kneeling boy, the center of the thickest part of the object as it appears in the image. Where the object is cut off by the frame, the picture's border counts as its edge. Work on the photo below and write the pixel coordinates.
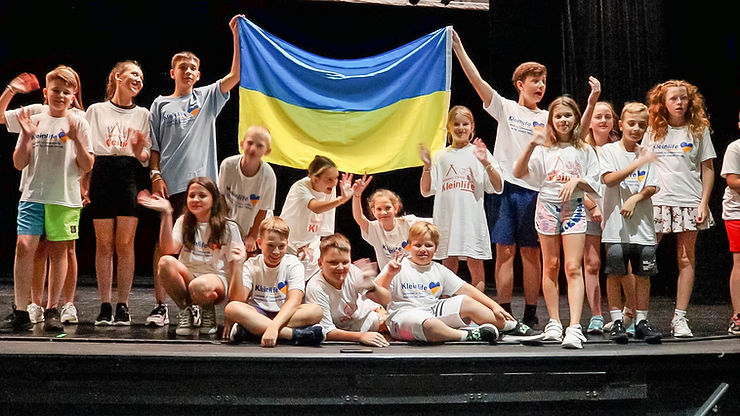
(348, 296)
(269, 305)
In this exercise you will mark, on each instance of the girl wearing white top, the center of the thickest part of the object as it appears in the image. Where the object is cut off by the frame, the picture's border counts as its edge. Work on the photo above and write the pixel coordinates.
(458, 178)
(679, 133)
(120, 137)
(565, 167)
(388, 231)
(731, 215)
(211, 254)
(309, 210)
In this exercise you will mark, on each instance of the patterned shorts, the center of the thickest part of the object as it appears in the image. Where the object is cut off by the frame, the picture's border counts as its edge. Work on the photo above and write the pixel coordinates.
(678, 219)
(568, 217)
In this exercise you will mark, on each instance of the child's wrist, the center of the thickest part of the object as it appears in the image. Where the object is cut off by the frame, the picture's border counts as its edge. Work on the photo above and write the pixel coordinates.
(11, 89)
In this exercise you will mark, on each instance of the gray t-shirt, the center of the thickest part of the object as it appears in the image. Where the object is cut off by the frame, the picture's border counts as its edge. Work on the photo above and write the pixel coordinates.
(184, 133)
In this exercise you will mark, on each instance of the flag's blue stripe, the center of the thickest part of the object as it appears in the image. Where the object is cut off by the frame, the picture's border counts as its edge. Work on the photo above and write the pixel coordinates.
(280, 70)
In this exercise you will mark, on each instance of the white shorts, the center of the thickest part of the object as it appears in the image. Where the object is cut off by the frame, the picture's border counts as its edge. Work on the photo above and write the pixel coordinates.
(222, 278)
(407, 324)
(568, 217)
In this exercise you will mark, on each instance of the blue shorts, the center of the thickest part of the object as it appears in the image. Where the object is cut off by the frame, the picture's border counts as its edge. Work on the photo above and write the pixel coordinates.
(511, 216)
(30, 218)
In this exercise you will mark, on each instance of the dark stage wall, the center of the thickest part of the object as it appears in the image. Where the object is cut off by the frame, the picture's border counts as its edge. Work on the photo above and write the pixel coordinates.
(685, 42)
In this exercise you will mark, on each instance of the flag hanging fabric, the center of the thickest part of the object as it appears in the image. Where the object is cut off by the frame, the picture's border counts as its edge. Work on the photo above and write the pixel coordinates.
(368, 115)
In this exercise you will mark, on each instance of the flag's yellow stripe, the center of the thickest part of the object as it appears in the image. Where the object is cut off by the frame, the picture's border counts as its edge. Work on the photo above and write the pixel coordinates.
(358, 142)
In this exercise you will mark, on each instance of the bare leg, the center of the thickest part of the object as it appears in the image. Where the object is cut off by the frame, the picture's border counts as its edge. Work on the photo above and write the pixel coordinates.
(531, 268)
(573, 257)
(472, 310)
(451, 263)
(591, 267)
(39, 273)
(176, 278)
(550, 245)
(25, 248)
(70, 280)
(104, 257)
(125, 234)
(437, 331)
(735, 283)
(477, 273)
(57, 271)
(685, 245)
(505, 273)
(160, 293)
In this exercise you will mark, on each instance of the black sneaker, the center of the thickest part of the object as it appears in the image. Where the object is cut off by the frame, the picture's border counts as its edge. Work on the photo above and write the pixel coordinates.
(619, 334)
(485, 332)
(52, 323)
(16, 321)
(310, 335)
(122, 317)
(530, 320)
(237, 334)
(105, 317)
(643, 330)
(522, 330)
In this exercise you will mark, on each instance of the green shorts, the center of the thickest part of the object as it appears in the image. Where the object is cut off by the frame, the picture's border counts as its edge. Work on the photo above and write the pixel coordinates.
(61, 223)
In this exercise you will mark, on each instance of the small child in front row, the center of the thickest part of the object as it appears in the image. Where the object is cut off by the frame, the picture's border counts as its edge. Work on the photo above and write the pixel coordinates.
(564, 167)
(268, 305)
(731, 215)
(629, 234)
(351, 301)
(209, 253)
(417, 310)
(388, 231)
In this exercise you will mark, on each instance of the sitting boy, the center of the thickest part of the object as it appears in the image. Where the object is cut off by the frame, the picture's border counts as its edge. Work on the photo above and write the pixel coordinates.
(269, 303)
(348, 296)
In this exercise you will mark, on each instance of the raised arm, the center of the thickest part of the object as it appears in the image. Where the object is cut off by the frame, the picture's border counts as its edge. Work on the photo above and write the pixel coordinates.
(484, 89)
(167, 243)
(23, 84)
(593, 97)
(345, 184)
(232, 78)
(359, 187)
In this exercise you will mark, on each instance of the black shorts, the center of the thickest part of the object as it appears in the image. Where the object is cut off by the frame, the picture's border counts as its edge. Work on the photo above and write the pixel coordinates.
(113, 187)
(642, 258)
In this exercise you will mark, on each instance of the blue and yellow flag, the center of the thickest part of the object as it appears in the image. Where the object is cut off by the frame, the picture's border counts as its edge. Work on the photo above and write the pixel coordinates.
(367, 115)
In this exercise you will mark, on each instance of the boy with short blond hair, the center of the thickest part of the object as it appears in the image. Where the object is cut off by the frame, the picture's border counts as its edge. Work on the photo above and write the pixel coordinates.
(268, 306)
(248, 184)
(349, 298)
(511, 214)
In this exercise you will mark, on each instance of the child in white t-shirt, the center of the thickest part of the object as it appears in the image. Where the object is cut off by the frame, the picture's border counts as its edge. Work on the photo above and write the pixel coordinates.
(267, 305)
(309, 210)
(388, 231)
(55, 148)
(248, 184)
(430, 303)
(565, 168)
(678, 131)
(209, 253)
(349, 298)
(458, 178)
(731, 215)
(629, 234)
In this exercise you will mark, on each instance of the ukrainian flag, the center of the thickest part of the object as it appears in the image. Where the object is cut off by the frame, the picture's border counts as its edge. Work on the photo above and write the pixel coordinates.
(368, 115)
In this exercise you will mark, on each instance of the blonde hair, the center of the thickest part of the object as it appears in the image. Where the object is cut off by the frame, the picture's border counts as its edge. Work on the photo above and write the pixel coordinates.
(335, 241)
(613, 133)
(319, 164)
(184, 55)
(110, 86)
(575, 134)
(422, 228)
(634, 108)
(695, 116)
(463, 111)
(260, 131)
(528, 69)
(71, 79)
(395, 200)
(276, 225)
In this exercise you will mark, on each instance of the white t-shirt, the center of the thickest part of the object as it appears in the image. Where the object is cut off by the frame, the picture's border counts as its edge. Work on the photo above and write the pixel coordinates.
(203, 259)
(638, 229)
(552, 167)
(515, 128)
(596, 197)
(387, 243)
(305, 225)
(418, 286)
(246, 196)
(11, 123)
(458, 182)
(344, 308)
(109, 126)
(269, 285)
(731, 199)
(679, 166)
(53, 176)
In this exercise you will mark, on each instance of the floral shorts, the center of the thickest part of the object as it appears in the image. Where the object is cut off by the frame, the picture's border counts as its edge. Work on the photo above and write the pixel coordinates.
(678, 219)
(568, 217)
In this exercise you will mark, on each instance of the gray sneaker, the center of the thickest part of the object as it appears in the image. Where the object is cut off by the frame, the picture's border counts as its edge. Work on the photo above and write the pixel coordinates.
(208, 323)
(185, 325)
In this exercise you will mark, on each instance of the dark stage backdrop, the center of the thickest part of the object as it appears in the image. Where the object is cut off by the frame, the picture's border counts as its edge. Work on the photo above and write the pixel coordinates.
(630, 45)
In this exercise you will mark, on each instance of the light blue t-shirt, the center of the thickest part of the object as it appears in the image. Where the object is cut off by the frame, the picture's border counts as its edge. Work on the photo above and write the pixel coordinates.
(184, 133)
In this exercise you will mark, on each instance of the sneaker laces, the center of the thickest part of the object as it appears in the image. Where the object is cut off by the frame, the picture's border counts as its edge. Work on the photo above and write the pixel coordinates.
(185, 318)
(208, 316)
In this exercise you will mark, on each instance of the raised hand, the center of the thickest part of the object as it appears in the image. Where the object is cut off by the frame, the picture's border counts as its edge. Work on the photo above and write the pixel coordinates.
(234, 23)
(425, 155)
(138, 142)
(394, 266)
(481, 151)
(24, 83)
(238, 254)
(345, 185)
(595, 85)
(28, 126)
(539, 136)
(154, 201)
(250, 244)
(369, 273)
(645, 155)
(71, 133)
(305, 253)
(361, 184)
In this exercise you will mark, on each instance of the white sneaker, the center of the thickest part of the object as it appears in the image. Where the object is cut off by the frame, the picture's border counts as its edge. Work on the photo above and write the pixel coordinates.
(35, 312)
(69, 314)
(574, 337)
(680, 327)
(159, 316)
(185, 322)
(553, 331)
(208, 323)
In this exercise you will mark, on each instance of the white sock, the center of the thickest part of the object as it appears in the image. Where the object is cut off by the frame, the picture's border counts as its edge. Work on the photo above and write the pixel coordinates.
(678, 313)
(616, 315)
(463, 335)
(509, 325)
(641, 315)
